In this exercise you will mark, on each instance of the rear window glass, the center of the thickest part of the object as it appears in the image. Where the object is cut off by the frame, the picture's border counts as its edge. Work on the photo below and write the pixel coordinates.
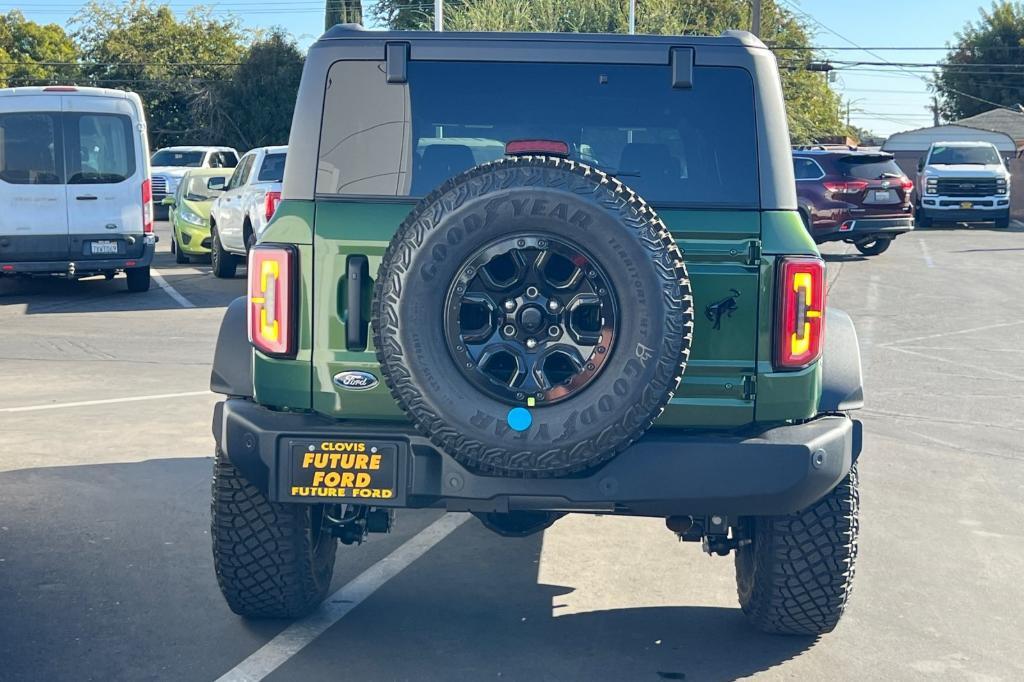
(693, 146)
(99, 148)
(869, 167)
(272, 169)
(169, 157)
(30, 149)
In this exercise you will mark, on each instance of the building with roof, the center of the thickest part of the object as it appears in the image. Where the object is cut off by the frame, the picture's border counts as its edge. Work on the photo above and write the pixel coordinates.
(1000, 121)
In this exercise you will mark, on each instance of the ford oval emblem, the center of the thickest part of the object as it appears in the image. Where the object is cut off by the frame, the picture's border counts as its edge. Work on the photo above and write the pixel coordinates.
(355, 380)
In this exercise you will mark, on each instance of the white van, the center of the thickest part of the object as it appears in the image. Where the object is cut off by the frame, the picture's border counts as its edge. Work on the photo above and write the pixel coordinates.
(75, 191)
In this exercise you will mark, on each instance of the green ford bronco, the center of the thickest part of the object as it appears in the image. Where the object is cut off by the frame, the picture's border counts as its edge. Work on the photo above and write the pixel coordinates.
(526, 275)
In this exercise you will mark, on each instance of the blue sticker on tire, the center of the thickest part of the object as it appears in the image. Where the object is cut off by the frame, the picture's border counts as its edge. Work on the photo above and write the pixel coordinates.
(519, 419)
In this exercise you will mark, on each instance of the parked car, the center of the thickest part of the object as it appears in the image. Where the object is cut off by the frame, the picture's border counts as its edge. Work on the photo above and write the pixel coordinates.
(424, 329)
(963, 182)
(189, 211)
(75, 191)
(171, 163)
(853, 196)
(240, 214)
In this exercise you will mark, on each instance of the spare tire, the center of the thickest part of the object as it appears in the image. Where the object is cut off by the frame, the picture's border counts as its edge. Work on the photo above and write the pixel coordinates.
(532, 316)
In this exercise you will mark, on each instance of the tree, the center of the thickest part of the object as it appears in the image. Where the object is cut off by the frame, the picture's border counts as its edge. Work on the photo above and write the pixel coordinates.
(407, 15)
(812, 107)
(24, 44)
(254, 108)
(996, 38)
(145, 48)
(343, 12)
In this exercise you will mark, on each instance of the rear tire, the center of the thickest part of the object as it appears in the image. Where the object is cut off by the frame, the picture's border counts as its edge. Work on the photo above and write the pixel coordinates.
(795, 576)
(272, 560)
(224, 263)
(138, 279)
(874, 248)
(1002, 223)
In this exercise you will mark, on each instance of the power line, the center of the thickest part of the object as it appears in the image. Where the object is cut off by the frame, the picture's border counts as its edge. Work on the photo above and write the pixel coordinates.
(877, 56)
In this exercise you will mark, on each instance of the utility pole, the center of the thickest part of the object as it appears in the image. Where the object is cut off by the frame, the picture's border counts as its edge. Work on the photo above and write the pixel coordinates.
(438, 15)
(847, 113)
(632, 17)
(755, 17)
(935, 111)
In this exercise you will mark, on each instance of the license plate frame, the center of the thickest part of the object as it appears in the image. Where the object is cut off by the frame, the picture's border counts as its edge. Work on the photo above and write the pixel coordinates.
(966, 204)
(104, 247)
(336, 470)
(883, 195)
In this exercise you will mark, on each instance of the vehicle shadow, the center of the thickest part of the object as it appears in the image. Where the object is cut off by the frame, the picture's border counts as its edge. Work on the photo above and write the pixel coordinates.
(107, 569)
(473, 608)
(843, 257)
(49, 294)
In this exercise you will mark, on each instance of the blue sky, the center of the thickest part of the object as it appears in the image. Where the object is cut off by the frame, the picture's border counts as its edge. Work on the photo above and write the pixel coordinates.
(883, 100)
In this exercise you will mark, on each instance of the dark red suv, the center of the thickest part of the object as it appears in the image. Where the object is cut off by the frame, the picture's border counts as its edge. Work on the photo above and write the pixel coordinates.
(858, 197)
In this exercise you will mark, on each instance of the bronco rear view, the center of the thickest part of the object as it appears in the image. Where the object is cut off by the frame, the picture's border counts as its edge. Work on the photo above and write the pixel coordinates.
(525, 275)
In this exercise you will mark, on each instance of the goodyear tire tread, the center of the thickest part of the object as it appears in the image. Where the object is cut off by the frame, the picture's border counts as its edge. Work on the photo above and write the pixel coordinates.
(264, 557)
(608, 194)
(796, 576)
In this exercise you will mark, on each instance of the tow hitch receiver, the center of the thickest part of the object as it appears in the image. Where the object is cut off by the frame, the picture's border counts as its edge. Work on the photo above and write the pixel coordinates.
(355, 522)
(711, 531)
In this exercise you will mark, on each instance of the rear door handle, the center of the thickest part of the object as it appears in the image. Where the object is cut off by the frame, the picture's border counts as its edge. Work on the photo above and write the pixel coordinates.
(86, 197)
(355, 325)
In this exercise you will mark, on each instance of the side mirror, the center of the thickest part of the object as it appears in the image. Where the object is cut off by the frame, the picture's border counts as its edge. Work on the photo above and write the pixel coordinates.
(167, 201)
(215, 183)
(920, 165)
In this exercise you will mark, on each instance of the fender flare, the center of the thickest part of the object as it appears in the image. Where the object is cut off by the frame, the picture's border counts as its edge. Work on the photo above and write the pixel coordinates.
(232, 359)
(842, 381)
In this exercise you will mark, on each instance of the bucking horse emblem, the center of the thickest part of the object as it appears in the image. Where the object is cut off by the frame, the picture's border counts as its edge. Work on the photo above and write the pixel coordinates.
(723, 308)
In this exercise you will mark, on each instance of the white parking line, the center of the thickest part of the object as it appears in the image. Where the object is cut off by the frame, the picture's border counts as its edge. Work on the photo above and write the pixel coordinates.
(277, 651)
(926, 254)
(171, 291)
(106, 401)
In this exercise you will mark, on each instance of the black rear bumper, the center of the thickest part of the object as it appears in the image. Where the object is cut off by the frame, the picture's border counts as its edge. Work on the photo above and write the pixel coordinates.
(70, 255)
(861, 229)
(667, 472)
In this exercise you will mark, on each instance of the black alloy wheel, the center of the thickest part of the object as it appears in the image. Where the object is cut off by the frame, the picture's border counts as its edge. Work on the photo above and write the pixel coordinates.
(530, 317)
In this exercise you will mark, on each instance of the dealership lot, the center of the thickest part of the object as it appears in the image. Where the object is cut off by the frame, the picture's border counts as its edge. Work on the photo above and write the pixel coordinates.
(105, 569)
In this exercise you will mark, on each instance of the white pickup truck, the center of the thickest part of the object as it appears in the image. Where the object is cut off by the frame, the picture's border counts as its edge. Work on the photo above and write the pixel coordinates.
(963, 182)
(241, 213)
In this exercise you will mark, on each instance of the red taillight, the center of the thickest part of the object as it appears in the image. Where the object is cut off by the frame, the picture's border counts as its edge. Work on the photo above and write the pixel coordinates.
(907, 184)
(271, 299)
(551, 147)
(848, 187)
(801, 312)
(270, 202)
(147, 206)
(60, 88)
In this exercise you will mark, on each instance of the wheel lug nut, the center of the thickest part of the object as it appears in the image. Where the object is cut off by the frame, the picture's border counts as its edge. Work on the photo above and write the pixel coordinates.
(553, 330)
(553, 305)
(532, 292)
(508, 330)
(510, 305)
(531, 343)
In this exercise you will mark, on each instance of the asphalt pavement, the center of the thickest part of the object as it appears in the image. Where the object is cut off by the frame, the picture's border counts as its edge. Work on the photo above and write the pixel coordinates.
(106, 573)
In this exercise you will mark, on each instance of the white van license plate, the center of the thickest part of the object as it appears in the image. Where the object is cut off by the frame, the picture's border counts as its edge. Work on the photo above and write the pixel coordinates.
(104, 248)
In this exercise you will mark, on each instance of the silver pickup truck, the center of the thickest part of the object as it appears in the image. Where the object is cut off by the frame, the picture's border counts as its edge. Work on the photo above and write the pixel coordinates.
(963, 182)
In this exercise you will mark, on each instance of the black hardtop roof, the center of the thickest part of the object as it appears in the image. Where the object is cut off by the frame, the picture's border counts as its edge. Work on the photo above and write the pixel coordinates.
(730, 38)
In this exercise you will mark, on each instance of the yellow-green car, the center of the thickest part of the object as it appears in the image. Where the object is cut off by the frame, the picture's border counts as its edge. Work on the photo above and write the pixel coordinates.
(189, 211)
